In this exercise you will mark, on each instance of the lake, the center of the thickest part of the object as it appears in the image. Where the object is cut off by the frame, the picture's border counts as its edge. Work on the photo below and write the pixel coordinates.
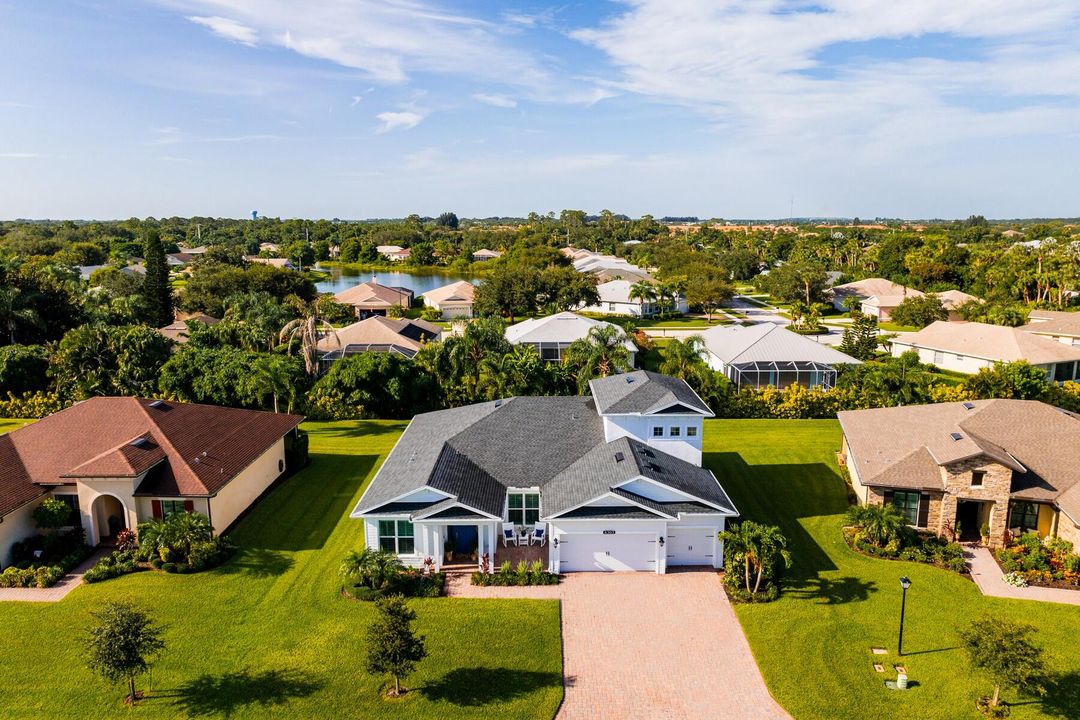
(345, 278)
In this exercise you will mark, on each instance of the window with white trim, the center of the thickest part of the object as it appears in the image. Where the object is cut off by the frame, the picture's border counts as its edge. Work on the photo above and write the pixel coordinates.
(658, 431)
(523, 508)
(691, 431)
(674, 431)
(396, 536)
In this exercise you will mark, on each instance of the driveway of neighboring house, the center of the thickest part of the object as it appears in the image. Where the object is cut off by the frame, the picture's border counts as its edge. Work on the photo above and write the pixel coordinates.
(641, 645)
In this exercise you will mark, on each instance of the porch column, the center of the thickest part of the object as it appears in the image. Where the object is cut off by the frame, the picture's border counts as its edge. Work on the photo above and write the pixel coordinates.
(481, 544)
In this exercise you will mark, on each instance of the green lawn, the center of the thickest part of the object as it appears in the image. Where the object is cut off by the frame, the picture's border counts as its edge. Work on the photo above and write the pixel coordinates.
(813, 645)
(893, 327)
(685, 321)
(269, 635)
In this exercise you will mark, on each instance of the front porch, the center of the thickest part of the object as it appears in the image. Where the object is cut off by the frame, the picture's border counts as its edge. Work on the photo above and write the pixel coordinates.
(461, 546)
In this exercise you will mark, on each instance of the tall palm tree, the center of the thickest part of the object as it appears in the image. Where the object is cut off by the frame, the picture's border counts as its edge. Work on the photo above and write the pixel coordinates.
(600, 353)
(643, 292)
(271, 377)
(666, 291)
(307, 329)
(15, 311)
(758, 547)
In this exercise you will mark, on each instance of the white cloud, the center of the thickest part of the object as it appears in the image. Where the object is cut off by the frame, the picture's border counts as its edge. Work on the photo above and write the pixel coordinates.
(171, 135)
(499, 101)
(403, 120)
(20, 155)
(763, 72)
(355, 100)
(226, 28)
(425, 159)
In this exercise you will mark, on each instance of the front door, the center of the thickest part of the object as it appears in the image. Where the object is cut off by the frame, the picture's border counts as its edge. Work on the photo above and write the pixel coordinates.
(967, 520)
(463, 538)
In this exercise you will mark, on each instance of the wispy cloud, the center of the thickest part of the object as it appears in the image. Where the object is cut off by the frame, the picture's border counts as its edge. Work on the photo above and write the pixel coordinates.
(355, 100)
(21, 155)
(403, 120)
(174, 136)
(226, 28)
(499, 101)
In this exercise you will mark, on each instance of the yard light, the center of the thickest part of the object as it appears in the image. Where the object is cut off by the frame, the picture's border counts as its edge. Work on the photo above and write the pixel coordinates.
(905, 583)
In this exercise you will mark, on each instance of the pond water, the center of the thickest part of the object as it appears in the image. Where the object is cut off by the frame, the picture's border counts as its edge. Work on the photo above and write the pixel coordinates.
(345, 278)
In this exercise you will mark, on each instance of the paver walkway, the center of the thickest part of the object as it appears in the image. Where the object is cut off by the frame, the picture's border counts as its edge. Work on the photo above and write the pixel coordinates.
(58, 591)
(641, 645)
(988, 576)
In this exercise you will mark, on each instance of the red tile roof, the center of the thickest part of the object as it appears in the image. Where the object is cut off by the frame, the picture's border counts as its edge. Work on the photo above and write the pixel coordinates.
(190, 450)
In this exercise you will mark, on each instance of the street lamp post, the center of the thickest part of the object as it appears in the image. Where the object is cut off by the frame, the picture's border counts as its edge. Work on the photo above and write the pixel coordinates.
(905, 583)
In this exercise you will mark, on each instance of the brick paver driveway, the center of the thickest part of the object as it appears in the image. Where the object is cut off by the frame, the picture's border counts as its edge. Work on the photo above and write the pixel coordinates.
(656, 647)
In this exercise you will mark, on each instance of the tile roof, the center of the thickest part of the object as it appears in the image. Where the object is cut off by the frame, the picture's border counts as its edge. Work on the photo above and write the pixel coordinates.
(952, 299)
(178, 331)
(879, 291)
(476, 452)
(460, 291)
(564, 327)
(989, 342)
(643, 392)
(378, 330)
(905, 446)
(194, 450)
(766, 342)
(371, 293)
(1049, 322)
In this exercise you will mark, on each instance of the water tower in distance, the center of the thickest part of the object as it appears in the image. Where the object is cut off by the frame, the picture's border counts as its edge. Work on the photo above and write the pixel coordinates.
(254, 214)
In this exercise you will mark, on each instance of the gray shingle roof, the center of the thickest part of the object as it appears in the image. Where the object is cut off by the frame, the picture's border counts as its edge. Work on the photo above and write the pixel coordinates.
(643, 392)
(476, 452)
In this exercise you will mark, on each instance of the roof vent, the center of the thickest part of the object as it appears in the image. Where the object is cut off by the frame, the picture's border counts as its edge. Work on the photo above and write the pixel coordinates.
(498, 403)
(653, 466)
(647, 452)
(969, 406)
(629, 379)
(619, 457)
(956, 436)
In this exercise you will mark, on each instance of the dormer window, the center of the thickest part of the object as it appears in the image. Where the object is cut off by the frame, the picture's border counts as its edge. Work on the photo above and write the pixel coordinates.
(977, 478)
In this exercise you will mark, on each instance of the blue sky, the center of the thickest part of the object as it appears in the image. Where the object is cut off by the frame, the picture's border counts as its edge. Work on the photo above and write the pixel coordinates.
(353, 108)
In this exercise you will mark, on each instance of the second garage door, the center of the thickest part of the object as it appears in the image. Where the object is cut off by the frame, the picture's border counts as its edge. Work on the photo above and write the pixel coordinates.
(691, 546)
(584, 552)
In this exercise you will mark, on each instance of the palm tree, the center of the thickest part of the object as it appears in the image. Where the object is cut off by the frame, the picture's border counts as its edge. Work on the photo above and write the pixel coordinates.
(880, 523)
(682, 359)
(15, 311)
(306, 329)
(371, 567)
(599, 354)
(798, 311)
(666, 291)
(758, 548)
(271, 377)
(643, 292)
(852, 304)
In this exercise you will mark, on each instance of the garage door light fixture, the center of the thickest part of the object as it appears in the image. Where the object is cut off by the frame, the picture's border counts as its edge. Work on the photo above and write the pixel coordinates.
(661, 541)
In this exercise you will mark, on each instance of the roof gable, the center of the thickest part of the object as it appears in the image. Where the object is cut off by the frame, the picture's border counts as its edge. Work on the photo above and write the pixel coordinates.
(643, 393)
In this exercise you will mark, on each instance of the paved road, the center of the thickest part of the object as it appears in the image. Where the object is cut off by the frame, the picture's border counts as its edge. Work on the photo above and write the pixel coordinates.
(641, 646)
(755, 312)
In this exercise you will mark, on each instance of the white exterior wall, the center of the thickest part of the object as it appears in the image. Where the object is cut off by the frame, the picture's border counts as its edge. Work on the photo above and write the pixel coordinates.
(560, 528)
(641, 428)
(17, 525)
(950, 360)
(90, 489)
(243, 489)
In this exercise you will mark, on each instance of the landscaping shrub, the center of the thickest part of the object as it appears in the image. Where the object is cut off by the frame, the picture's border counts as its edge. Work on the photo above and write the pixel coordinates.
(1038, 562)
(411, 583)
(115, 564)
(524, 574)
(41, 577)
(911, 546)
(210, 554)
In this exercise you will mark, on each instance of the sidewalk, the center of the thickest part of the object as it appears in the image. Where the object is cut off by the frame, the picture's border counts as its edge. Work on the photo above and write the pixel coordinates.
(988, 576)
(55, 593)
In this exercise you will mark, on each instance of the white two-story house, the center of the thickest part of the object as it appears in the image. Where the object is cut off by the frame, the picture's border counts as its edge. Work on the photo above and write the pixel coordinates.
(610, 482)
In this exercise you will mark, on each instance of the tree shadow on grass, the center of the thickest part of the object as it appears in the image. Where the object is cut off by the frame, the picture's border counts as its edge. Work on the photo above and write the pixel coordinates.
(1062, 697)
(477, 686)
(222, 695)
(260, 563)
(832, 592)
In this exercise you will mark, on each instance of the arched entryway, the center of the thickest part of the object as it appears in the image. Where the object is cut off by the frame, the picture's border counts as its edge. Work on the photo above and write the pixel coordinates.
(110, 517)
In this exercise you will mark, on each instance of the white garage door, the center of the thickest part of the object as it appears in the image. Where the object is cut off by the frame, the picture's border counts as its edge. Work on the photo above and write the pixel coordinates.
(690, 546)
(585, 552)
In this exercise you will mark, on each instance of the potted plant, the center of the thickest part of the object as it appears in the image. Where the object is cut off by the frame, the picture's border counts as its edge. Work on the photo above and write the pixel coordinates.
(984, 533)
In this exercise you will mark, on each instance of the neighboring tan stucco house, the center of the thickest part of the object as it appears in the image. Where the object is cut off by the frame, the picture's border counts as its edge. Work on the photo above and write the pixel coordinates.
(878, 297)
(1013, 465)
(118, 461)
(967, 347)
(372, 298)
(1057, 325)
(613, 481)
(453, 301)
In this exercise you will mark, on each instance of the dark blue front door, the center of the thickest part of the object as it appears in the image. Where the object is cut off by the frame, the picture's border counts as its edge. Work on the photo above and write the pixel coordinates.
(463, 538)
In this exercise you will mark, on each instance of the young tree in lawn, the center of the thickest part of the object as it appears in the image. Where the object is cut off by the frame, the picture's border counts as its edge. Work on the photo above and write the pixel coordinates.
(393, 647)
(155, 287)
(1003, 650)
(122, 644)
(919, 311)
(860, 339)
